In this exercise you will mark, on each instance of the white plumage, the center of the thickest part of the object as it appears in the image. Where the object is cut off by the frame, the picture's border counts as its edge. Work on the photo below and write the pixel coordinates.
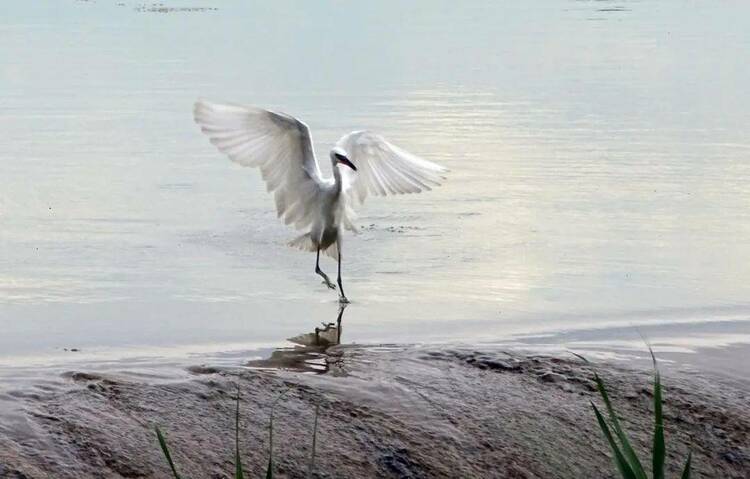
(280, 145)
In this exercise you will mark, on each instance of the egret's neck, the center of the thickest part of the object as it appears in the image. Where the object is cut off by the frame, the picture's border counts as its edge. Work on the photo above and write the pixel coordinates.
(336, 174)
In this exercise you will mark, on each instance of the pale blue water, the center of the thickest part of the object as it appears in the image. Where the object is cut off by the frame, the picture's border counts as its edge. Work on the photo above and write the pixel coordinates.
(599, 158)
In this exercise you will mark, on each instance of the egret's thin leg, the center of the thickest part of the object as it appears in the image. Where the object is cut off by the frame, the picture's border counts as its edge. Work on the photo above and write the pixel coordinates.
(342, 307)
(342, 296)
(319, 271)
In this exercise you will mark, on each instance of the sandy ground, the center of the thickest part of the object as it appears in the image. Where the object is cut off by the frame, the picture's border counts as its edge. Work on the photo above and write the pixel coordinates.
(406, 412)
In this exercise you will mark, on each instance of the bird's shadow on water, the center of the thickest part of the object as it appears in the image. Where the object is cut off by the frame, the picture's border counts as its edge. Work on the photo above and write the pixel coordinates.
(311, 351)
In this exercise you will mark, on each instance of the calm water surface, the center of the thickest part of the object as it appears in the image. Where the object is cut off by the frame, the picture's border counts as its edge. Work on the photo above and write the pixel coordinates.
(599, 155)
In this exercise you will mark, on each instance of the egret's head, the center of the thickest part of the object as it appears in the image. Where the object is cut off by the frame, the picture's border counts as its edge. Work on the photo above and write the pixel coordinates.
(339, 156)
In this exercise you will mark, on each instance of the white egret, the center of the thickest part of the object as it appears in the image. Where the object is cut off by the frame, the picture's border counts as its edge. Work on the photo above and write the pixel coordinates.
(280, 145)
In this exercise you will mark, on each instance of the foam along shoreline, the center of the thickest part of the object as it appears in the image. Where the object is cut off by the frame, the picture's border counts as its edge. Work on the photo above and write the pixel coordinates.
(387, 411)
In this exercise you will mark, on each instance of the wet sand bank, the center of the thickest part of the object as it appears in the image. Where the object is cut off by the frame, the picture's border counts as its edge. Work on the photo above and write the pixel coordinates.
(390, 411)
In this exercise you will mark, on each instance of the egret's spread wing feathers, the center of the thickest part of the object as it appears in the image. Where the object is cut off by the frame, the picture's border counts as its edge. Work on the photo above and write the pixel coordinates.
(384, 169)
(278, 144)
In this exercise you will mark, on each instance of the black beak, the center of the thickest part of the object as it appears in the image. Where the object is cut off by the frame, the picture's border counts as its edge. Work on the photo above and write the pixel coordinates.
(345, 160)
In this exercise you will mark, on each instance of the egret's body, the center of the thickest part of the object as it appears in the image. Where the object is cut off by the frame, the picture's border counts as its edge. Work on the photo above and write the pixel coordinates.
(363, 164)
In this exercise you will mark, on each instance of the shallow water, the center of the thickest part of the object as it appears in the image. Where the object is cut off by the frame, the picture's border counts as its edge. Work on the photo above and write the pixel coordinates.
(598, 154)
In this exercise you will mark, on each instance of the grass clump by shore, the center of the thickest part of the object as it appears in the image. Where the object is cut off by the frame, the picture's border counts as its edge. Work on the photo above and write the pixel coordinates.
(625, 457)
(239, 472)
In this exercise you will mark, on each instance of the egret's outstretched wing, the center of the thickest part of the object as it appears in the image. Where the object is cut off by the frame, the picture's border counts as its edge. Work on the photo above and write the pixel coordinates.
(385, 169)
(278, 144)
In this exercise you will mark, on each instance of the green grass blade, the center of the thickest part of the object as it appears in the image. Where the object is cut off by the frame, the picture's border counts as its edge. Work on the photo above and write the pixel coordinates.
(659, 449)
(165, 450)
(314, 442)
(238, 473)
(581, 357)
(686, 471)
(269, 471)
(627, 449)
(625, 469)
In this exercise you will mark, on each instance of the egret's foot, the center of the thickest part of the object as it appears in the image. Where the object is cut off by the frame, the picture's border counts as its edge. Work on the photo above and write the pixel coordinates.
(343, 300)
(326, 279)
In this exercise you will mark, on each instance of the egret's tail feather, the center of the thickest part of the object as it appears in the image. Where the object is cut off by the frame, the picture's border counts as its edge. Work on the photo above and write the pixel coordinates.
(333, 250)
(305, 243)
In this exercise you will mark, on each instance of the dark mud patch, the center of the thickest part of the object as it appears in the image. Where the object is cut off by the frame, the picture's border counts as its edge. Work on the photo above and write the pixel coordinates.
(203, 369)
(300, 359)
(384, 412)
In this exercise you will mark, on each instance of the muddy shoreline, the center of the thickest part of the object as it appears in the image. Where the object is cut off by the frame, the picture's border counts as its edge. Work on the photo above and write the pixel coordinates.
(406, 412)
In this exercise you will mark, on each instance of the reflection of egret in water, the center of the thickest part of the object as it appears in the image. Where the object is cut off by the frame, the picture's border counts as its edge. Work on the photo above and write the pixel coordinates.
(311, 352)
(322, 337)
